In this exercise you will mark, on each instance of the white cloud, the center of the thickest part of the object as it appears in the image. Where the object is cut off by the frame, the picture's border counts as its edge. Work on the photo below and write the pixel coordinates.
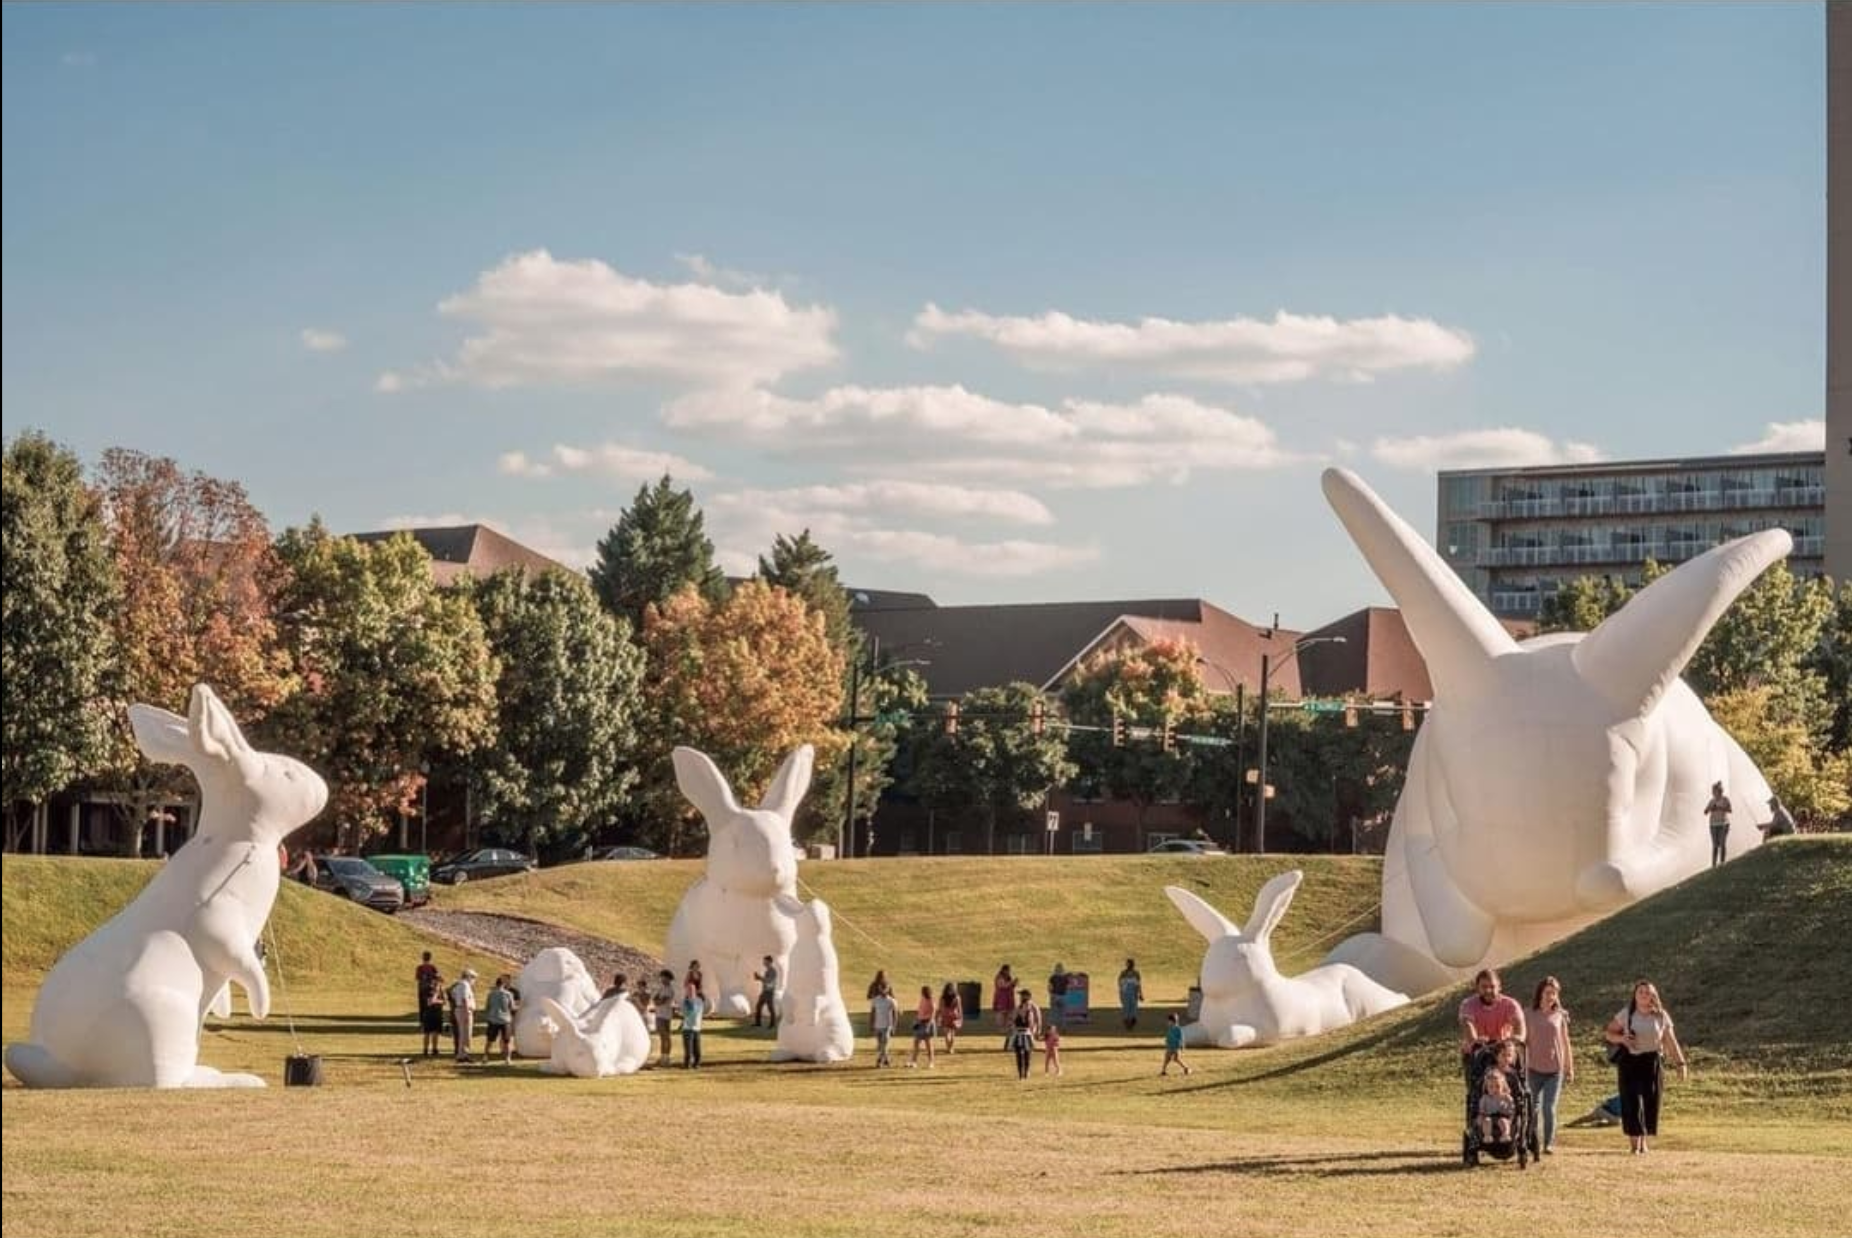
(744, 522)
(1507, 447)
(1288, 348)
(613, 460)
(893, 496)
(949, 432)
(541, 321)
(316, 339)
(709, 272)
(1787, 436)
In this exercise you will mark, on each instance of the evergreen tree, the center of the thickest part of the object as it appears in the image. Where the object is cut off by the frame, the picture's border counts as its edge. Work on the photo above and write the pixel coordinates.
(58, 587)
(655, 549)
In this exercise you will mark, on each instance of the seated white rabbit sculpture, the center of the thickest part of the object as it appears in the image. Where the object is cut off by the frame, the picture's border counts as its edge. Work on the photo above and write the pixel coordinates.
(609, 1039)
(731, 918)
(1553, 782)
(557, 975)
(815, 1023)
(125, 1006)
(1245, 999)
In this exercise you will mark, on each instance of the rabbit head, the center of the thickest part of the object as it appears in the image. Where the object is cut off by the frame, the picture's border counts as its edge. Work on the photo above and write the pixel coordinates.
(252, 796)
(1557, 777)
(749, 850)
(1238, 957)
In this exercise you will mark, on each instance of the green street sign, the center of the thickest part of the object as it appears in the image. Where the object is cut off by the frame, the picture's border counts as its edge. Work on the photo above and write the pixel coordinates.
(1324, 707)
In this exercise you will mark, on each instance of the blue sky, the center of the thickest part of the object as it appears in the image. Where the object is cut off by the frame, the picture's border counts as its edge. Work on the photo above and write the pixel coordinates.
(1004, 303)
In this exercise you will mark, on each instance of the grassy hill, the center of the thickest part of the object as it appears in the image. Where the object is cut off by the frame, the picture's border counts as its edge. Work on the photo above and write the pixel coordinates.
(932, 920)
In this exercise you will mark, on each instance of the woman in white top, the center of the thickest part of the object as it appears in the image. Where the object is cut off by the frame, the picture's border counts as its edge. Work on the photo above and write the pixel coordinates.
(1643, 1033)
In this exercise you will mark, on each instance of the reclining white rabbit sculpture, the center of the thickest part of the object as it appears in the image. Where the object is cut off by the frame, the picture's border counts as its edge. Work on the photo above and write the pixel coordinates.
(558, 975)
(815, 1023)
(731, 918)
(609, 1039)
(1555, 781)
(124, 1008)
(1245, 999)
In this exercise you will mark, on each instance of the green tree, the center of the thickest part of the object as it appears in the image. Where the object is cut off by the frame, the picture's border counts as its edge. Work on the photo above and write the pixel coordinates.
(1831, 660)
(655, 549)
(1814, 785)
(567, 697)
(397, 674)
(58, 587)
(1768, 637)
(1326, 774)
(1581, 604)
(1152, 687)
(1004, 766)
(895, 706)
(798, 565)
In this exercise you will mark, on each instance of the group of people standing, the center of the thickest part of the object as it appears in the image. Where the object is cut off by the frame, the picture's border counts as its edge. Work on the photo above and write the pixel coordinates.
(1640, 1043)
(456, 1004)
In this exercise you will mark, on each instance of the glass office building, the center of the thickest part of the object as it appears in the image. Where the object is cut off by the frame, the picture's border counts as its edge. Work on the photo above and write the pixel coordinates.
(1515, 535)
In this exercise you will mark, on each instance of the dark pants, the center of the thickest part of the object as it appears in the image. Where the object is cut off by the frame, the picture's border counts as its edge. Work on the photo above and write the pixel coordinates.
(768, 1004)
(1021, 1043)
(1640, 1080)
(1720, 836)
(691, 1048)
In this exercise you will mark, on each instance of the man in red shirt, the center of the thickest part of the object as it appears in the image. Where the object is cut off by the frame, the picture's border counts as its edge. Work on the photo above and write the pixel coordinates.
(1488, 1016)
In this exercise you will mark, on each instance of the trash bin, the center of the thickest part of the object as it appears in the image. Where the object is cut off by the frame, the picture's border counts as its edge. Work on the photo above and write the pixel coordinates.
(971, 1001)
(302, 1070)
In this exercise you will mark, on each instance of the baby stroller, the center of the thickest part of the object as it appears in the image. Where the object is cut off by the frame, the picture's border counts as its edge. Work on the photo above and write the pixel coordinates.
(1523, 1141)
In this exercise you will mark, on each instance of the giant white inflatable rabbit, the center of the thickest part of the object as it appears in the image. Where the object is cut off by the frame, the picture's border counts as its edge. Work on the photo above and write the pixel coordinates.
(1555, 781)
(731, 918)
(554, 975)
(125, 1006)
(609, 1039)
(1245, 999)
(815, 1023)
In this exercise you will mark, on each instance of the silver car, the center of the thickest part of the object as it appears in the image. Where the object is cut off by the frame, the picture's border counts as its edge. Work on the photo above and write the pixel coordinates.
(353, 878)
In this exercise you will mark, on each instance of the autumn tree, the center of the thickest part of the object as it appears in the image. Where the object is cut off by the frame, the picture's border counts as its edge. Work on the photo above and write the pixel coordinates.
(58, 588)
(1147, 687)
(198, 577)
(396, 674)
(745, 680)
(1814, 784)
(566, 705)
(657, 547)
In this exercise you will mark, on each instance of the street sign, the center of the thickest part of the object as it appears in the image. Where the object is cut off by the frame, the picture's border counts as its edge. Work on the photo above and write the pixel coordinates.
(1054, 822)
(1325, 707)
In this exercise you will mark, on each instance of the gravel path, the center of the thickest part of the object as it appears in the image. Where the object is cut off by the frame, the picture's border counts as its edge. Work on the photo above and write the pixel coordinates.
(519, 939)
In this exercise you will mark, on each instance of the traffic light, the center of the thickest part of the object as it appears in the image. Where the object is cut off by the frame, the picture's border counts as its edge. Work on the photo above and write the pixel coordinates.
(1118, 731)
(1350, 714)
(951, 717)
(1170, 740)
(1035, 718)
(1408, 717)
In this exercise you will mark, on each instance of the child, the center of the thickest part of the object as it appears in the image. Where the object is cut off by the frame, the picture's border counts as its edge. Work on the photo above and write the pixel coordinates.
(922, 1027)
(1495, 1107)
(501, 1007)
(951, 1016)
(1173, 1046)
(883, 1013)
(694, 1005)
(1051, 1048)
(662, 1003)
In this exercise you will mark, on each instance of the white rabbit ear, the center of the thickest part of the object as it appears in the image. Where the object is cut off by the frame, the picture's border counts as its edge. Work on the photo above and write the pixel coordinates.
(1271, 903)
(1212, 924)
(704, 785)
(563, 1023)
(592, 1021)
(162, 736)
(789, 783)
(210, 725)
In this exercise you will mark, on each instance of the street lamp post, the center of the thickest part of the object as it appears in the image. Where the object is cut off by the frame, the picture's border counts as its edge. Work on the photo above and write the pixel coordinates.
(1266, 673)
(1240, 691)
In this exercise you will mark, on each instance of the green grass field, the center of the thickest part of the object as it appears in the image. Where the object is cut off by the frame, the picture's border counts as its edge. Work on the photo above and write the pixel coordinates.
(1353, 1133)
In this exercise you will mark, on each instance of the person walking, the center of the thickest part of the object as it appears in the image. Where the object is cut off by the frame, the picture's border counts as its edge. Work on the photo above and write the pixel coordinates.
(951, 1015)
(499, 1016)
(1642, 1033)
(1173, 1045)
(767, 976)
(1131, 992)
(1025, 1029)
(883, 1013)
(1487, 1017)
(923, 1011)
(1551, 1063)
(1718, 810)
(463, 1013)
(1003, 996)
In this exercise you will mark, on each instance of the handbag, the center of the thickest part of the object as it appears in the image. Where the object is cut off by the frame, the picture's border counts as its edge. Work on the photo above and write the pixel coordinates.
(1619, 1051)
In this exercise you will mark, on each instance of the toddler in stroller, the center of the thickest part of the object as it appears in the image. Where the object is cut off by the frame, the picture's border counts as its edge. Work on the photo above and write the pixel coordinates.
(1500, 1117)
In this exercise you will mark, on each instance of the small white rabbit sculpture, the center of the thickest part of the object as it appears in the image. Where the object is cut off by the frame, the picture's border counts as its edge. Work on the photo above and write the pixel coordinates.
(1246, 1001)
(731, 918)
(814, 1026)
(554, 975)
(124, 1008)
(609, 1039)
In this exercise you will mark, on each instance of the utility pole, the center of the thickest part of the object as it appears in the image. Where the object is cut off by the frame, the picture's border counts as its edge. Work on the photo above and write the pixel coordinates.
(1260, 787)
(845, 840)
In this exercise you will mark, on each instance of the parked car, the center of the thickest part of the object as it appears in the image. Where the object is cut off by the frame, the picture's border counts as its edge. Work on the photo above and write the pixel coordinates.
(413, 873)
(351, 877)
(482, 862)
(1185, 846)
(625, 853)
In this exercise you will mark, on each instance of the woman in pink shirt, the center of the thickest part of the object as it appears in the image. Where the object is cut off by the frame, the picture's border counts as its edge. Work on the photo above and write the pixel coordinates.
(1003, 995)
(1551, 1063)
